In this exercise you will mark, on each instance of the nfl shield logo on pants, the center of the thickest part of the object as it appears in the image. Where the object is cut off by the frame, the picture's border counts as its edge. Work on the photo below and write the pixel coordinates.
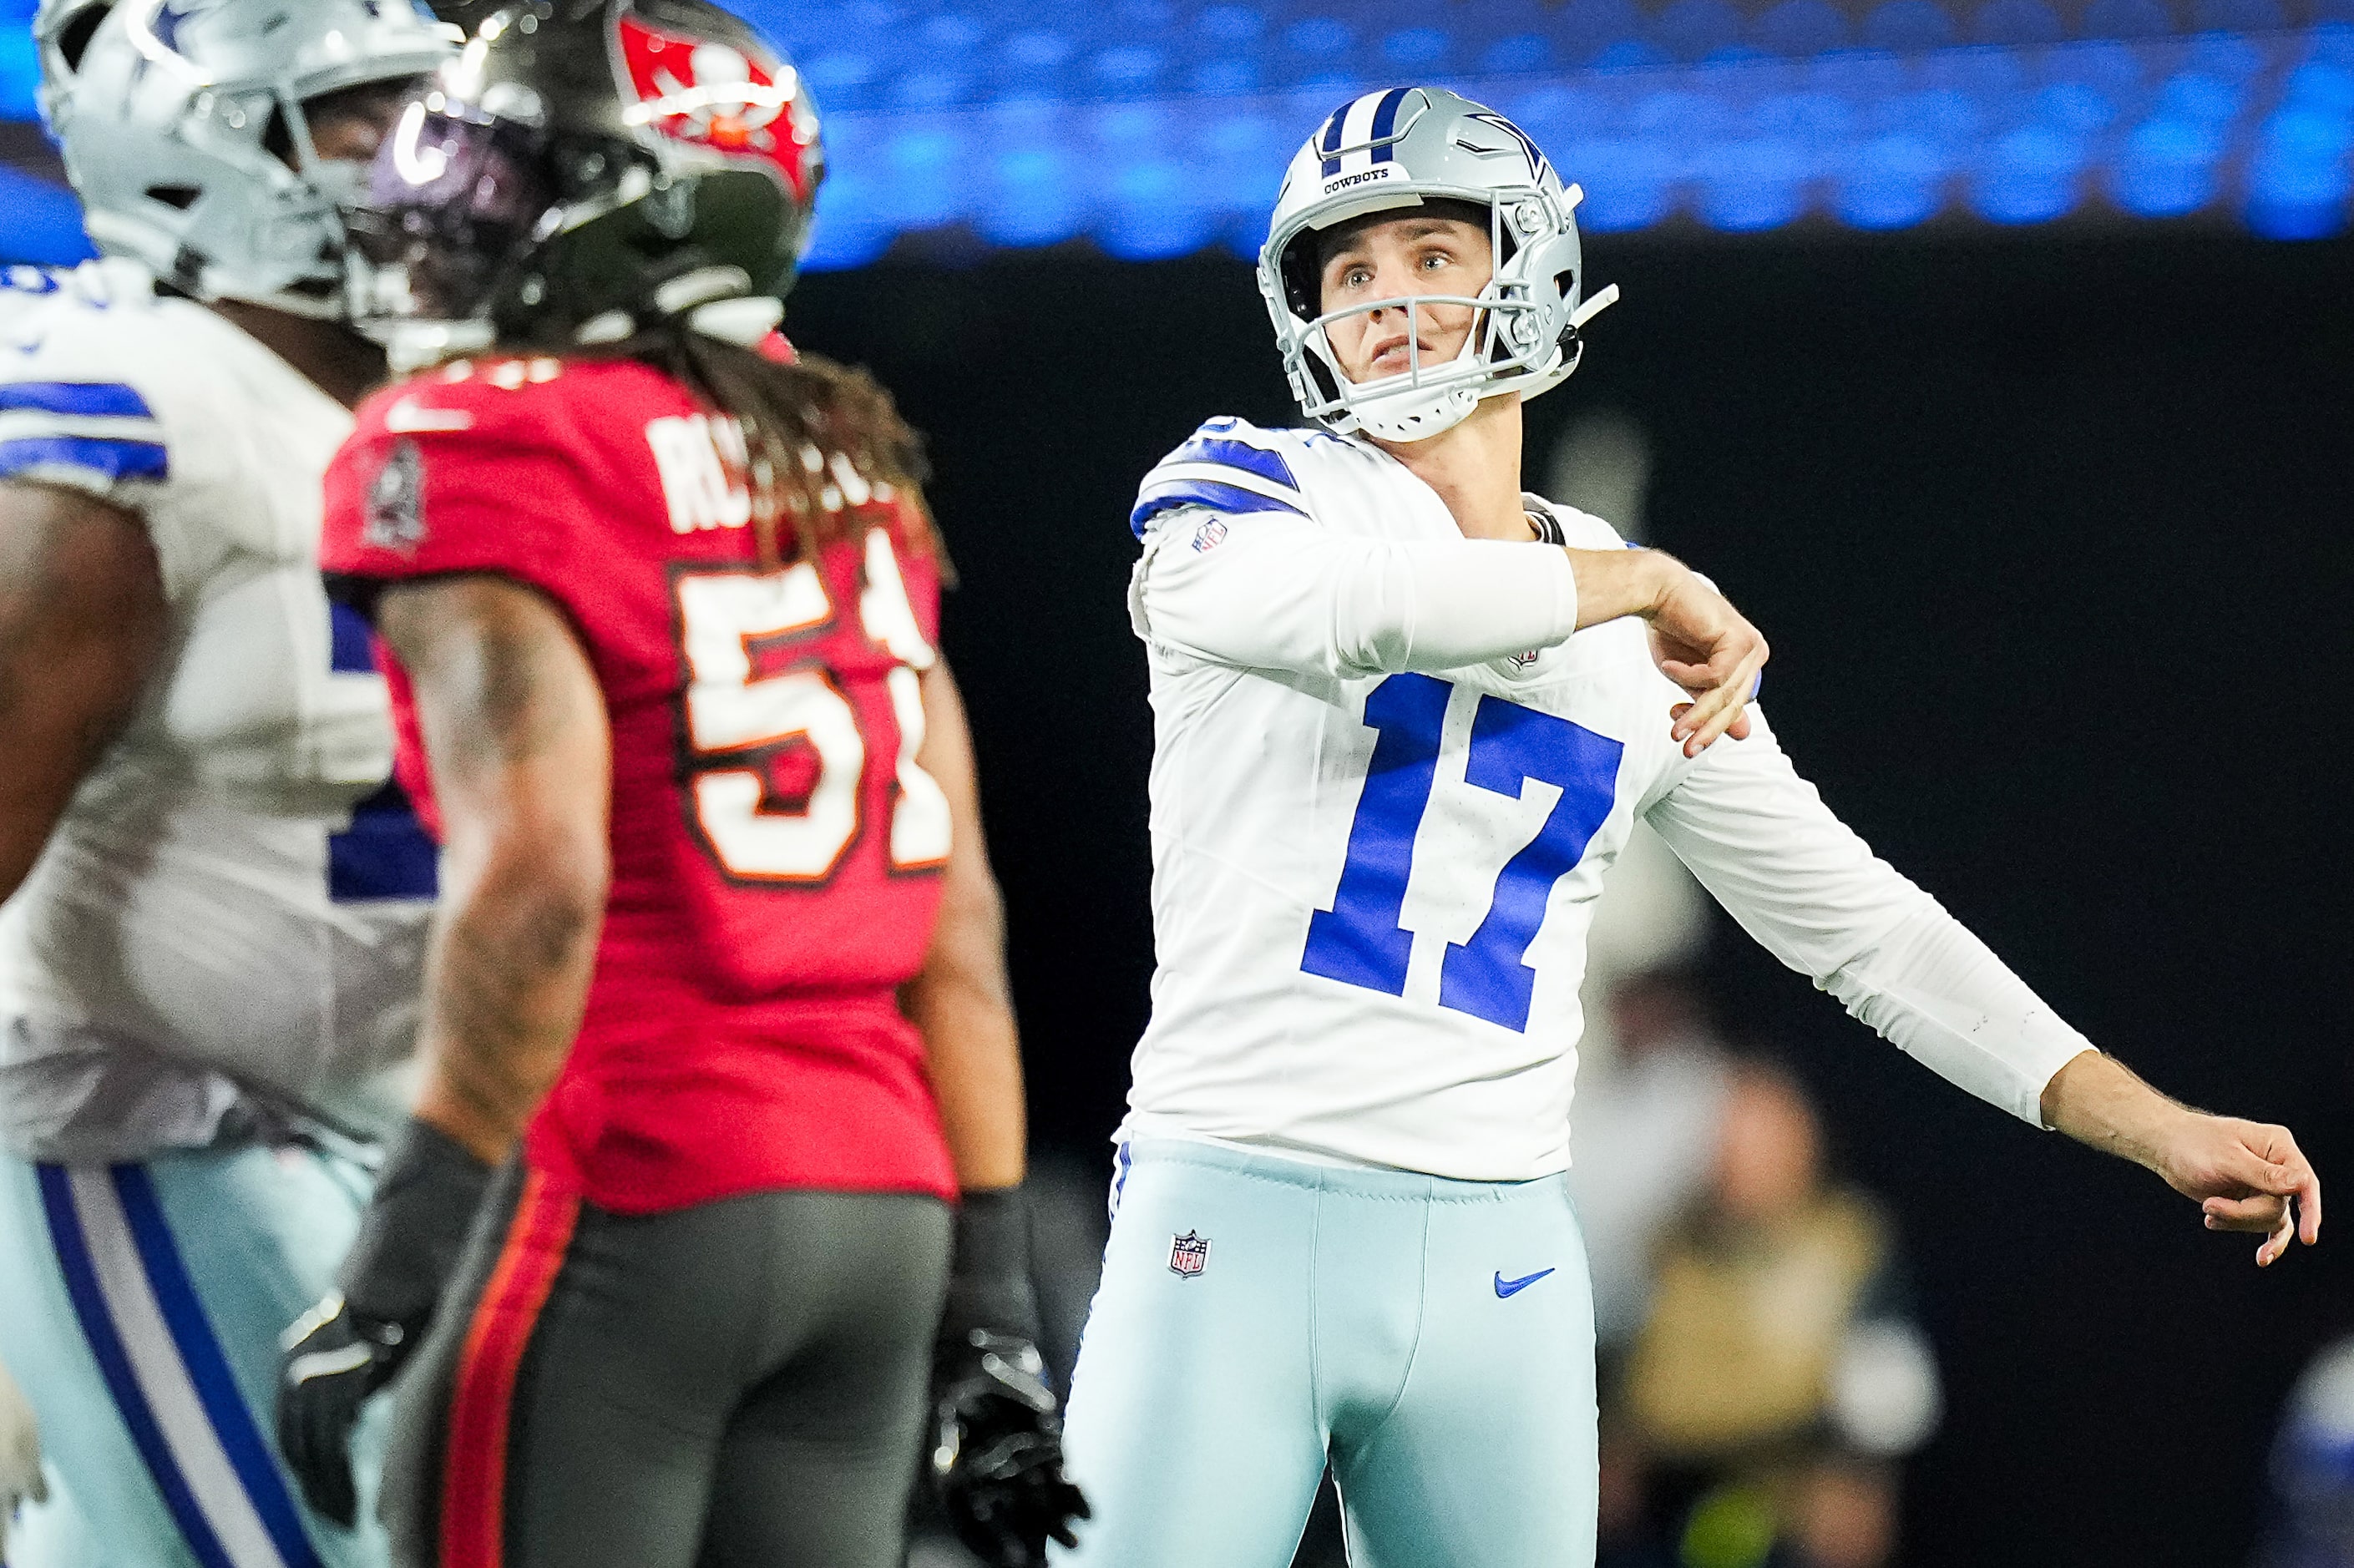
(1189, 1253)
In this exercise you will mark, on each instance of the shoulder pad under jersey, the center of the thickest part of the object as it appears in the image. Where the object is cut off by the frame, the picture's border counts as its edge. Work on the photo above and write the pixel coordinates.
(1228, 465)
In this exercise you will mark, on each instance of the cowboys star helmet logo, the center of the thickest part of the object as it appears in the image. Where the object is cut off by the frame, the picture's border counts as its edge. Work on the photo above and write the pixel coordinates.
(1529, 149)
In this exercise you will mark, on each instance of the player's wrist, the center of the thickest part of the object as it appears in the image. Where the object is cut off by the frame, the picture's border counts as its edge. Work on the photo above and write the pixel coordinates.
(1612, 584)
(414, 1227)
(2097, 1100)
(989, 1290)
(1660, 575)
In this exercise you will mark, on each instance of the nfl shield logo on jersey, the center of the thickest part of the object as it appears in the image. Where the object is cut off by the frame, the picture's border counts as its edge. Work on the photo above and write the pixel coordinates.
(1189, 1253)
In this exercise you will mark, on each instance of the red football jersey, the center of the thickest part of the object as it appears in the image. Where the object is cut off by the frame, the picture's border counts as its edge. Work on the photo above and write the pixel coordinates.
(775, 847)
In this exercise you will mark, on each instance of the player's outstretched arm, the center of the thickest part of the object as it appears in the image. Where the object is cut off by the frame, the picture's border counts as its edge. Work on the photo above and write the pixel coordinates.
(1802, 883)
(82, 622)
(515, 733)
(1698, 640)
(2247, 1176)
(997, 1457)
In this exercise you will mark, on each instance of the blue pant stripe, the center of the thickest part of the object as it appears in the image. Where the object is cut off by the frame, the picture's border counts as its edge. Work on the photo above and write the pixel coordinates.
(201, 1352)
(106, 1345)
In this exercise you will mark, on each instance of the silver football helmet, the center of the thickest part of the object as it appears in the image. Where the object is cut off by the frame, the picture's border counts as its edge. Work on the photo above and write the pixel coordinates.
(61, 31)
(183, 131)
(1398, 149)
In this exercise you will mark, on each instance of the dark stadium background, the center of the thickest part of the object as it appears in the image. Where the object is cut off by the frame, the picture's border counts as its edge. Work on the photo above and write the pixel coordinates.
(2051, 536)
(2049, 525)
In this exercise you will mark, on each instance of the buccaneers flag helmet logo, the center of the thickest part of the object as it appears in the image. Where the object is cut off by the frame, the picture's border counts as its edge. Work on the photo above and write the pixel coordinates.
(711, 94)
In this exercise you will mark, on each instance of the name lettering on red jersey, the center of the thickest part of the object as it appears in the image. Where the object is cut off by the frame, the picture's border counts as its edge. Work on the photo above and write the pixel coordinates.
(702, 462)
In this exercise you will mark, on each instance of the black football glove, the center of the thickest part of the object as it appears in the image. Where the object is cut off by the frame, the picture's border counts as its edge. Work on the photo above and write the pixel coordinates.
(997, 1448)
(350, 1344)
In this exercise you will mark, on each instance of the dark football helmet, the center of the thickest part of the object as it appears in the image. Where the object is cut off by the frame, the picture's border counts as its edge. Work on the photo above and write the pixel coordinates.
(582, 168)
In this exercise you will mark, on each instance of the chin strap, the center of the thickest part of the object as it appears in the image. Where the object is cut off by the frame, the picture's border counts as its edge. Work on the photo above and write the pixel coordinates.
(716, 301)
(1593, 305)
(745, 320)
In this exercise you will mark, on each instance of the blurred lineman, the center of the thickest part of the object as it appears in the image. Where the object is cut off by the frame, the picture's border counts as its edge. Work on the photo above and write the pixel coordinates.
(718, 988)
(214, 915)
(1402, 731)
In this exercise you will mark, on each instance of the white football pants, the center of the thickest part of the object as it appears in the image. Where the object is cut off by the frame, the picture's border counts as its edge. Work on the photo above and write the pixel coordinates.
(1259, 1317)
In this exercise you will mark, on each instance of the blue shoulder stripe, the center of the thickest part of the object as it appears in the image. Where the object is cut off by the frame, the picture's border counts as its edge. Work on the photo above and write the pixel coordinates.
(1227, 498)
(1267, 465)
(116, 459)
(89, 400)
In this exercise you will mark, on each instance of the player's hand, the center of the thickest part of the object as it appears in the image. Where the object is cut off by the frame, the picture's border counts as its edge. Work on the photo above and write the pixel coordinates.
(2247, 1176)
(1707, 647)
(21, 1479)
(351, 1343)
(997, 1451)
(334, 1359)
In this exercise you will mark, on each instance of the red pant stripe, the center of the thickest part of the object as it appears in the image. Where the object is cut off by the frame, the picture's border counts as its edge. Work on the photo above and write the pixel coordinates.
(475, 1465)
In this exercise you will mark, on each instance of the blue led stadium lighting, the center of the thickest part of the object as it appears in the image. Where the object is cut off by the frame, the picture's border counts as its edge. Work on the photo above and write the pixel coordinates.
(20, 67)
(39, 224)
(1157, 128)
(1737, 124)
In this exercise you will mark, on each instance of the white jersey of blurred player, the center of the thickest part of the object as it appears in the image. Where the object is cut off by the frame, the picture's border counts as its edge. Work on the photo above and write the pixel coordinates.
(218, 950)
(1389, 774)
(210, 923)
(218, 944)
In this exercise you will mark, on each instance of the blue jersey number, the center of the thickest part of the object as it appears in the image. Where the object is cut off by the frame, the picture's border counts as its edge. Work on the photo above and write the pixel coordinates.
(1359, 941)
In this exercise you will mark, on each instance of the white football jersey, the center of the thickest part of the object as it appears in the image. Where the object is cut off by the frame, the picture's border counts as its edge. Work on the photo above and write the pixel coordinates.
(1388, 776)
(211, 917)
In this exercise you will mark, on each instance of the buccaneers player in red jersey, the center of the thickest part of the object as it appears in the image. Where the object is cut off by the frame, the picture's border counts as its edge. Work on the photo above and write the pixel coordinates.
(717, 989)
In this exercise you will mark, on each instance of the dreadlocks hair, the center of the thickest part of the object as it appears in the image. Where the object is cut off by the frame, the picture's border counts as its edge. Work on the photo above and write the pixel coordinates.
(821, 441)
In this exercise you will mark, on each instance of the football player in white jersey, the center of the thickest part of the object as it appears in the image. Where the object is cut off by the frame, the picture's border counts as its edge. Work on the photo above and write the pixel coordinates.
(1401, 731)
(215, 909)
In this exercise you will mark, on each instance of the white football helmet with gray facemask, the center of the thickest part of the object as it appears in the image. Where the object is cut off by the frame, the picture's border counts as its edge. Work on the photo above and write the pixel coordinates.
(182, 127)
(1396, 149)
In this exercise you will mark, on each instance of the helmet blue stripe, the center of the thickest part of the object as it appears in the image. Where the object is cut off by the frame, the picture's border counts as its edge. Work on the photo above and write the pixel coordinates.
(1385, 123)
(1332, 143)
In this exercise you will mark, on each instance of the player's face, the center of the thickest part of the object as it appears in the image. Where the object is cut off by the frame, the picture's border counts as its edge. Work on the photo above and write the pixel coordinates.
(347, 127)
(1389, 260)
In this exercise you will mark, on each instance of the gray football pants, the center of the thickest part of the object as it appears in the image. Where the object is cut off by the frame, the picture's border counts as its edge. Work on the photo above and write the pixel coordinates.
(741, 1383)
